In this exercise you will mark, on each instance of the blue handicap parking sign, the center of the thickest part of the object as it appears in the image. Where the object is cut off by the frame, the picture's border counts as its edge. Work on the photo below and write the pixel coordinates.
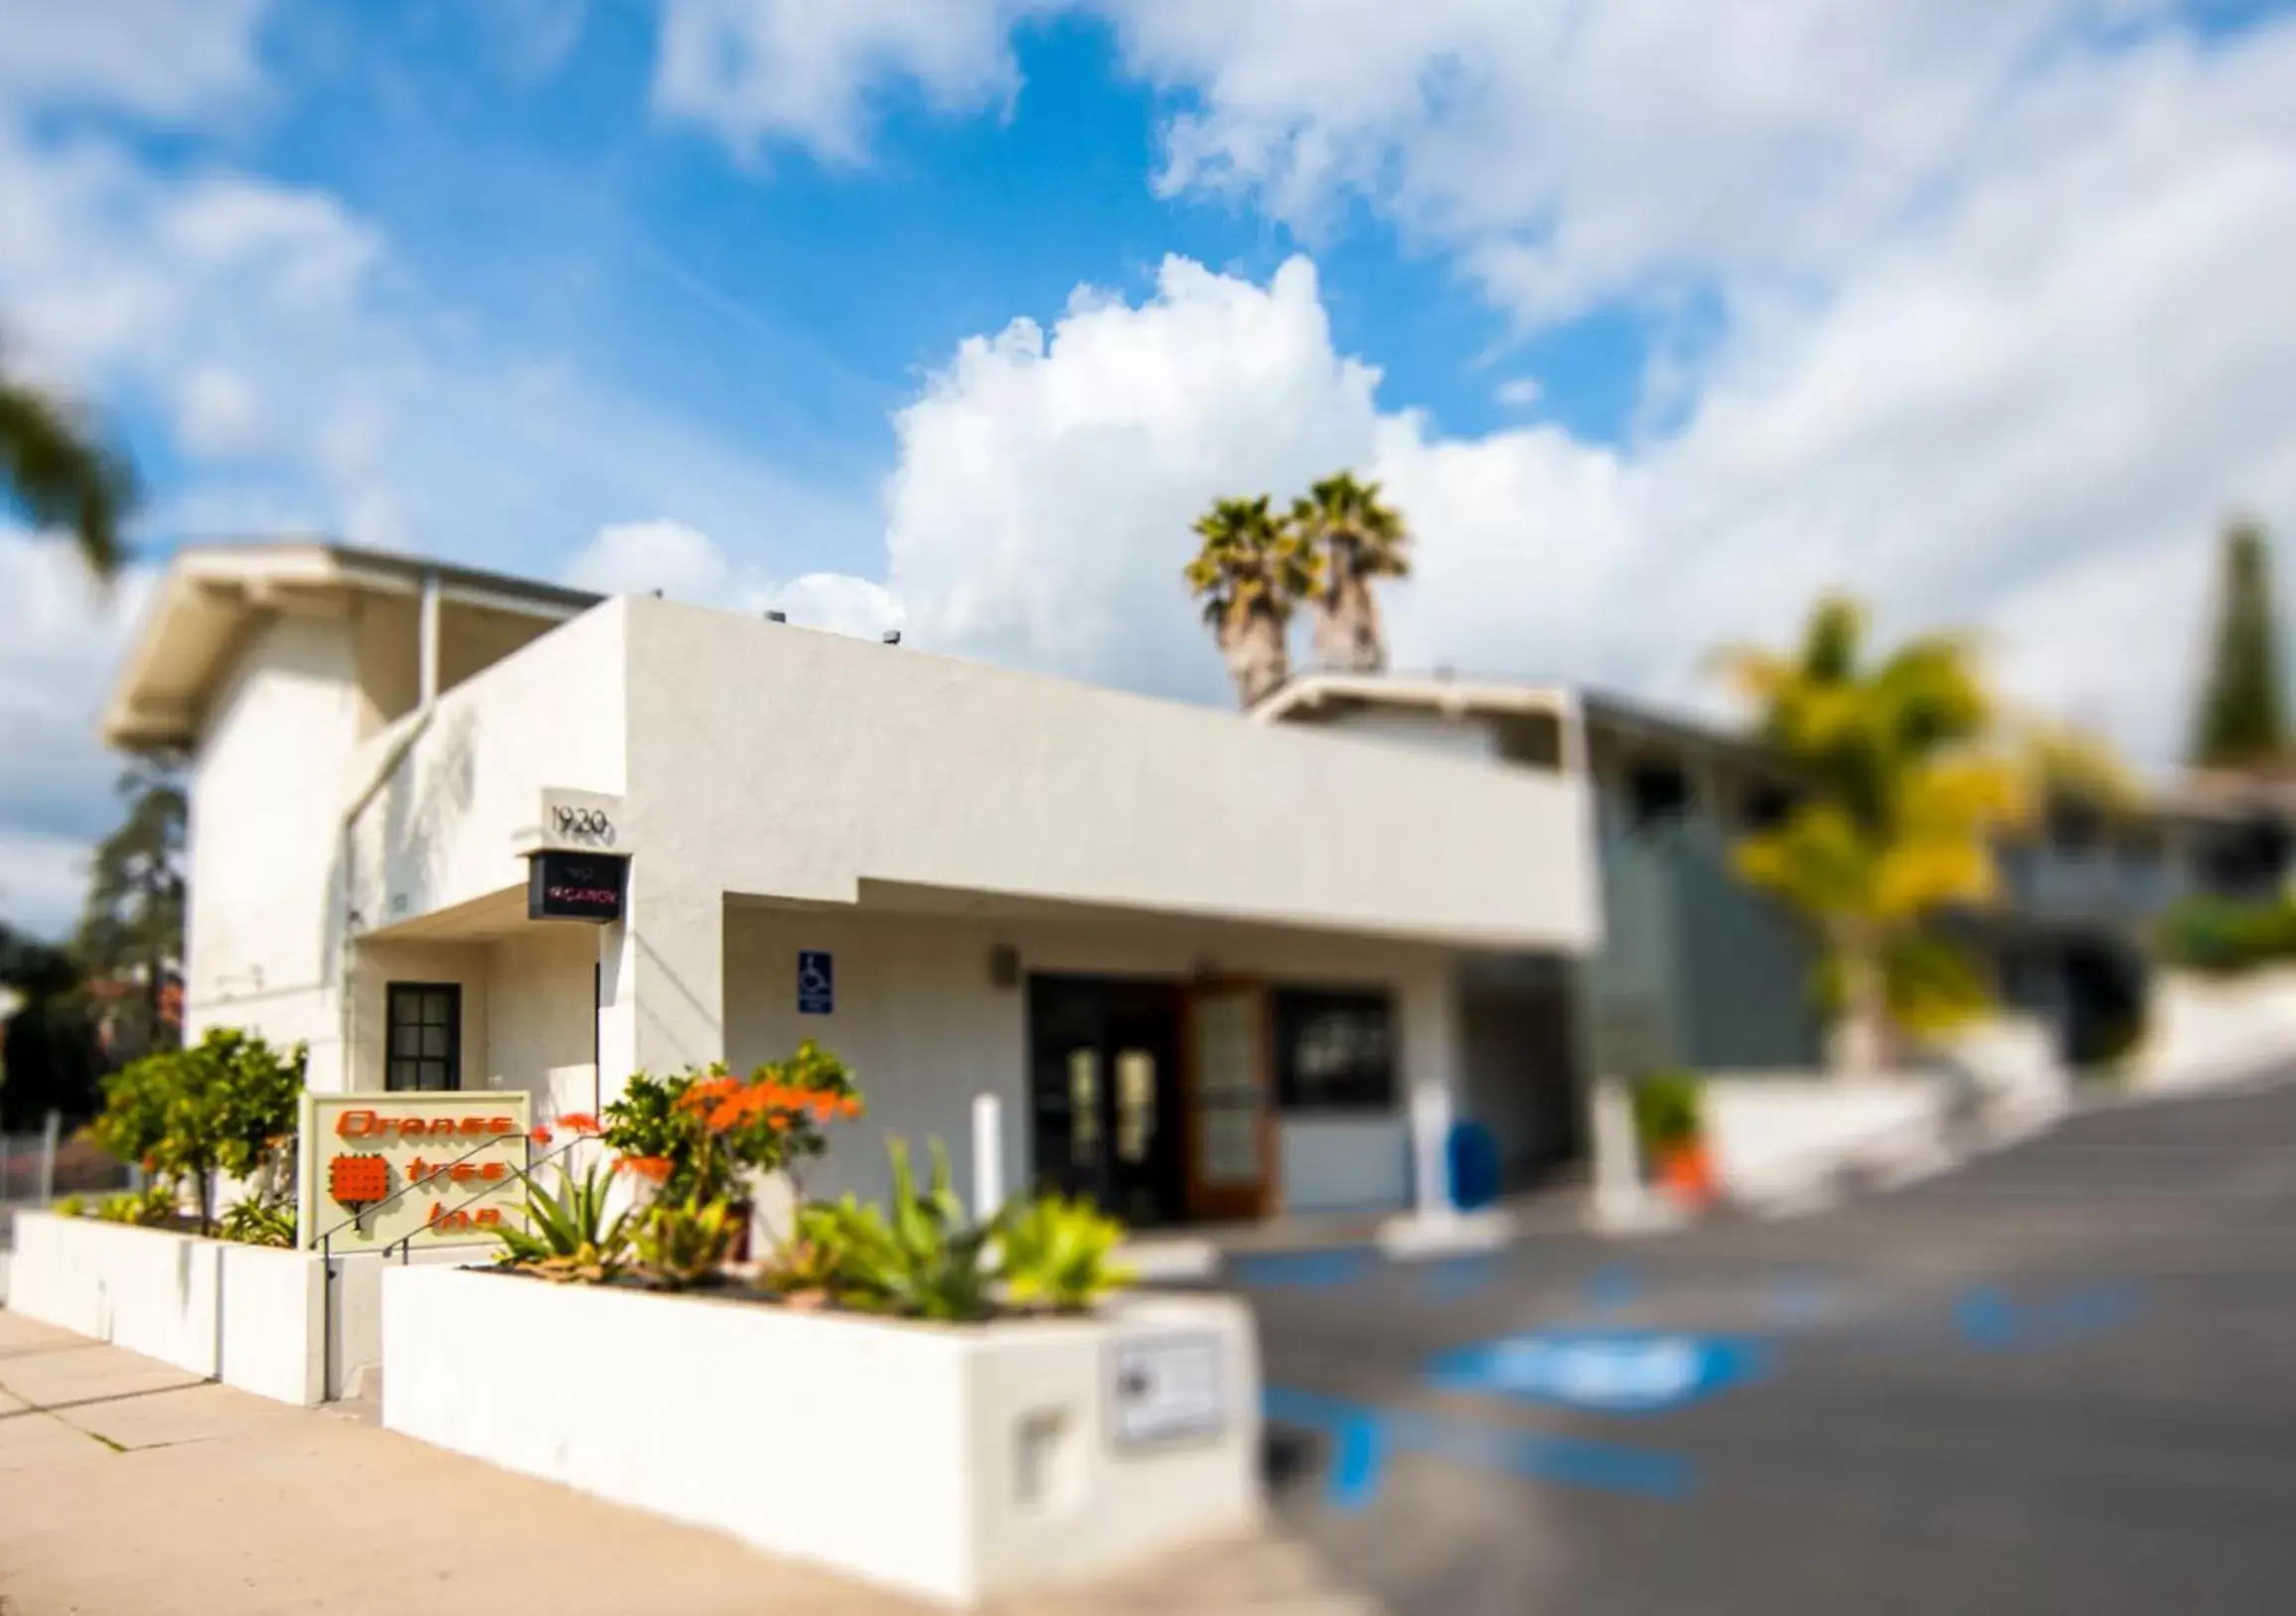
(1603, 1370)
(816, 991)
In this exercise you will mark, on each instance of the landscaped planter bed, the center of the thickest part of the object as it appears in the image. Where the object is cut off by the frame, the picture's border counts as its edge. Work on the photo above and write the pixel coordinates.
(954, 1461)
(260, 1318)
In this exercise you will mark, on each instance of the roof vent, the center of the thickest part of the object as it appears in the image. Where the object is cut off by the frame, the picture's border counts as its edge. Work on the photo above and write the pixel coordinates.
(893, 637)
(777, 617)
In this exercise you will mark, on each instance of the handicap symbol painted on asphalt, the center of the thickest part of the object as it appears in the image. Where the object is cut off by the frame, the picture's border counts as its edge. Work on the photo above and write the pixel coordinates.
(1603, 1370)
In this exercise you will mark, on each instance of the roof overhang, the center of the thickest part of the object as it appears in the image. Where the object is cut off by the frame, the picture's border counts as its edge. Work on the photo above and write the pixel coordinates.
(1454, 698)
(211, 595)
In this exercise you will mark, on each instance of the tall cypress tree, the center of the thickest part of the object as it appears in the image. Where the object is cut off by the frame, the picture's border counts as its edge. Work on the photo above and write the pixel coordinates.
(2242, 722)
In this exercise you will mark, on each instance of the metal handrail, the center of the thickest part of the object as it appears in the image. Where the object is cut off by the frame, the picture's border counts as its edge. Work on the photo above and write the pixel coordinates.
(322, 1239)
(522, 1175)
(406, 1243)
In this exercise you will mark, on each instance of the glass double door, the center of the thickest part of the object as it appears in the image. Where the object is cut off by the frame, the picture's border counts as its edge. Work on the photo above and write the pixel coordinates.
(1105, 1094)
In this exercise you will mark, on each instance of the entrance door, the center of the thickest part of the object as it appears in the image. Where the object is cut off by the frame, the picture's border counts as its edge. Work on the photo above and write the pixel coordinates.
(1103, 1094)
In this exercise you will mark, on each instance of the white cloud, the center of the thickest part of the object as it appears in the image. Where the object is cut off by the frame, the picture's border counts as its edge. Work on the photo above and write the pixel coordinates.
(63, 637)
(684, 563)
(1039, 514)
(163, 58)
(217, 413)
(1519, 393)
(639, 557)
(2030, 414)
(793, 70)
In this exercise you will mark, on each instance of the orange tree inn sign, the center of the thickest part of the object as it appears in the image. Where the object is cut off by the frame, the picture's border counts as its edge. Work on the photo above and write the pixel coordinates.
(433, 1169)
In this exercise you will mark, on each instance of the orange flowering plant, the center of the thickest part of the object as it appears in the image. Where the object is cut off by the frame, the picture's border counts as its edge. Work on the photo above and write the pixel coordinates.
(693, 1134)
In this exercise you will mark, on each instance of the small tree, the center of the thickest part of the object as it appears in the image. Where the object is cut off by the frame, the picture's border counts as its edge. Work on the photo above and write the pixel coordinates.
(224, 1105)
(2242, 721)
(1907, 789)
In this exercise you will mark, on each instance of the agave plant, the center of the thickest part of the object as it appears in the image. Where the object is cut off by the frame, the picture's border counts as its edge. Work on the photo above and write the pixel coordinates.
(259, 1222)
(570, 1234)
(928, 1260)
(1057, 1253)
(683, 1244)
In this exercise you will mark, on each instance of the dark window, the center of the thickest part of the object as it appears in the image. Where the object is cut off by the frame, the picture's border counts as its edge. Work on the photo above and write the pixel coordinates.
(1335, 1051)
(1534, 740)
(2075, 827)
(425, 1036)
(1656, 793)
(1765, 807)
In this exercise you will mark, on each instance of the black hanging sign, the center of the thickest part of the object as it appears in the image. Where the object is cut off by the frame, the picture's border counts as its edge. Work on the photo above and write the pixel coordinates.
(566, 885)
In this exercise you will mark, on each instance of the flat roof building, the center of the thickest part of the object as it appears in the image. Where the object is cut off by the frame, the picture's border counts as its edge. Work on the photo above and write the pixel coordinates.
(1210, 968)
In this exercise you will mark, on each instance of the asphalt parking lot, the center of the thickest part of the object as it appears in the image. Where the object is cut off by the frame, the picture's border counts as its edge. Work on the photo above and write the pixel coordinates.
(2061, 1379)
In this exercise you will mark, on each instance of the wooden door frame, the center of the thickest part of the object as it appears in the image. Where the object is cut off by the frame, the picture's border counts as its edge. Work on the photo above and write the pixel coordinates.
(1206, 1203)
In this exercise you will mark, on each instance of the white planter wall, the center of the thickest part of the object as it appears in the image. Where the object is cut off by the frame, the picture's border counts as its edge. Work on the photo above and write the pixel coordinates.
(2201, 1030)
(250, 1316)
(1788, 1133)
(955, 1463)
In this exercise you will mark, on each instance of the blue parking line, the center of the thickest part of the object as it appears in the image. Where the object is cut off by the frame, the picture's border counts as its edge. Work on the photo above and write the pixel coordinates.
(1364, 1436)
(1358, 1463)
(1301, 1270)
(1991, 1321)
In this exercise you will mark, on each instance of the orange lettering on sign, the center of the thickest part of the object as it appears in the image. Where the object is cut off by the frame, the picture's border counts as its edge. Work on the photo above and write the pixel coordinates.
(362, 1123)
(483, 1218)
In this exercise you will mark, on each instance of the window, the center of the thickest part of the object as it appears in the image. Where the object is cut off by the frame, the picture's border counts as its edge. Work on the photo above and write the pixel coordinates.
(1534, 740)
(425, 1036)
(1656, 793)
(1767, 807)
(1335, 1051)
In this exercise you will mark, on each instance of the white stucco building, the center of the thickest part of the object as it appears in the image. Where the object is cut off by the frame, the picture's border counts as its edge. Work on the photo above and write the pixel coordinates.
(1211, 968)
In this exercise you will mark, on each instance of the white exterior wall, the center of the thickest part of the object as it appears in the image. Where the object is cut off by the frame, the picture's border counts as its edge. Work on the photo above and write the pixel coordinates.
(445, 826)
(1345, 1163)
(541, 1036)
(264, 876)
(924, 1030)
(1468, 737)
(779, 761)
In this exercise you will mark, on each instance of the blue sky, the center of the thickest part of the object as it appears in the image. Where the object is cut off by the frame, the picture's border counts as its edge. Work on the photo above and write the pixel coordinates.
(1655, 320)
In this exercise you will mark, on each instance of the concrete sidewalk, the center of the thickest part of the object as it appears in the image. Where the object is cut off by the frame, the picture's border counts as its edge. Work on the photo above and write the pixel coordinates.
(128, 1488)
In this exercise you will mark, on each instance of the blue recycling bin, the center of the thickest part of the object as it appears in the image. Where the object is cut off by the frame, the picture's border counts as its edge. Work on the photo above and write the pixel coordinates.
(1475, 1166)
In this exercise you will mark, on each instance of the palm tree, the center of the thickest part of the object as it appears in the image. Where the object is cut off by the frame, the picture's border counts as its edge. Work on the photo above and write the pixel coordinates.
(1907, 789)
(61, 475)
(1357, 538)
(1252, 568)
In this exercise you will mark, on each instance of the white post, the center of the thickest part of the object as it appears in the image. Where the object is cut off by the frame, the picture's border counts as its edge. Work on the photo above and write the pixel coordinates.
(426, 643)
(49, 1135)
(1431, 1120)
(987, 1157)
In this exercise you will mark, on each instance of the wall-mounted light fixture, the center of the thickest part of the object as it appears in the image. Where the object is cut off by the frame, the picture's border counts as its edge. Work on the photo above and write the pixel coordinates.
(1004, 965)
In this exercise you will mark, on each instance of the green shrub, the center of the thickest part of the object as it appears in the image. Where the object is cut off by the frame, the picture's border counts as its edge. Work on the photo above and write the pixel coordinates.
(928, 1260)
(1058, 1254)
(681, 1243)
(2224, 938)
(570, 1234)
(148, 1207)
(1668, 1112)
(696, 1133)
(256, 1221)
(70, 1206)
